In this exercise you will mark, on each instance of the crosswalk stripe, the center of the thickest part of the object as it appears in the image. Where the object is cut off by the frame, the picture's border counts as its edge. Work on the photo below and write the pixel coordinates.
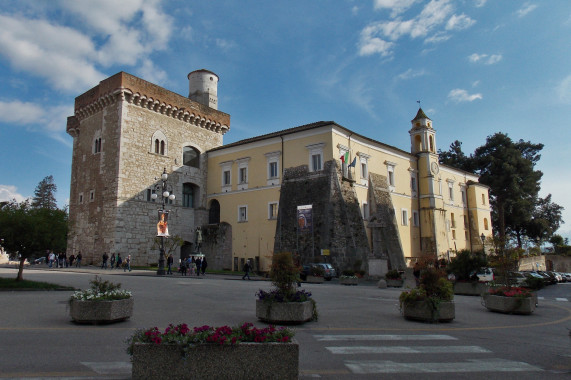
(408, 350)
(350, 338)
(561, 299)
(488, 365)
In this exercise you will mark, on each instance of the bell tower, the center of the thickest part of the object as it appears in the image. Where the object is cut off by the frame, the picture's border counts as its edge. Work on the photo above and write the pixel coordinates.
(432, 214)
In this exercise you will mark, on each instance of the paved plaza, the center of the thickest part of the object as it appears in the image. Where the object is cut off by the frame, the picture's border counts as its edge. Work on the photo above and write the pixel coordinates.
(360, 333)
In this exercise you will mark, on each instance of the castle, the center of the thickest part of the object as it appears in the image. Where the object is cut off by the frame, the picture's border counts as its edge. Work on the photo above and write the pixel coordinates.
(320, 190)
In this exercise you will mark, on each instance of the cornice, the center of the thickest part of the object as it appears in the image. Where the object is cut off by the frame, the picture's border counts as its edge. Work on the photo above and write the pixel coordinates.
(153, 105)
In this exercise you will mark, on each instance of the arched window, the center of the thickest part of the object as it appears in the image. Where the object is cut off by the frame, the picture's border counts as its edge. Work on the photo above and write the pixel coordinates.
(486, 224)
(190, 157)
(163, 148)
(157, 146)
(483, 199)
(431, 139)
(214, 212)
(189, 195)
(417, 143)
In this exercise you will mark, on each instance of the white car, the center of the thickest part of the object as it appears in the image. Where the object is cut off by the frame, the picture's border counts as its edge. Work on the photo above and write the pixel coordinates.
(484, 274)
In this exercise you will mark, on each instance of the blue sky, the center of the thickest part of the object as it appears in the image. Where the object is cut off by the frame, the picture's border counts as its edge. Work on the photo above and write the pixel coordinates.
(478, 67)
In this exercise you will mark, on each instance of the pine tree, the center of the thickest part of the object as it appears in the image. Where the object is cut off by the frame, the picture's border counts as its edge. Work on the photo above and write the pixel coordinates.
(44, 195)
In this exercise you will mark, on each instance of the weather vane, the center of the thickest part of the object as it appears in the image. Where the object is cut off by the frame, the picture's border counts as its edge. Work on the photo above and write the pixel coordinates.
(418, 101)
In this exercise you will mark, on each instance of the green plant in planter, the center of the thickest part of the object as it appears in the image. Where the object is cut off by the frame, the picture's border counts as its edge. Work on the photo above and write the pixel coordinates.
(393, 274)
(433, 288)
(285, 277)
(317, 271)
(101, 291)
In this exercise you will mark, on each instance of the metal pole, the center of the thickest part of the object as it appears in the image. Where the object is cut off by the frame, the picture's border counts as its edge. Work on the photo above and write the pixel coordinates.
(161, 268)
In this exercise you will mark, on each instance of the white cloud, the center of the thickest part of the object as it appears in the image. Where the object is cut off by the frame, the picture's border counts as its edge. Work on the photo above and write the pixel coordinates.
(458, 95)
(476, 83)
(151, 73)
(485, 58)
(480, 3)
(525, 9)
(51, 120)
(564, 90)
(459, 22)
(225, 44)
(355, 10)
(410, 74)
(437, 13)
(396, 6)
(67, 58)
(9, 192)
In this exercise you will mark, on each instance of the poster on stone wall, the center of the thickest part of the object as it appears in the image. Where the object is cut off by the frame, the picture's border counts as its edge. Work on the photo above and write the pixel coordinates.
(304, 218)
(162, 225)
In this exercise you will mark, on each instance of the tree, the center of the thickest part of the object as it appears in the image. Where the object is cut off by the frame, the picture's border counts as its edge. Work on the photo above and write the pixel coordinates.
(546, 219)
(30, 231)
(44, 195)
(456, 158)
(507, 167)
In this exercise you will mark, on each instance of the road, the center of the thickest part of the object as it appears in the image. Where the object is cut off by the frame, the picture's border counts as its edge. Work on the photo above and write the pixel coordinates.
(360, 333)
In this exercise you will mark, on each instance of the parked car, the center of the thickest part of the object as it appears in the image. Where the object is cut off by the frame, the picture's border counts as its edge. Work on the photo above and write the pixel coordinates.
(567, 276)
(325, 268)
(484, 274)
(550, 275)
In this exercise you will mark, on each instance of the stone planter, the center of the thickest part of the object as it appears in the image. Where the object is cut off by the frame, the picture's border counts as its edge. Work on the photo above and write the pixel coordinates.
(349, 281)
(95, 312)
(509, 305)
(214, 361)
(284, 312)
(394, 283)
(314, 279)
(421, 311)
(471, 288)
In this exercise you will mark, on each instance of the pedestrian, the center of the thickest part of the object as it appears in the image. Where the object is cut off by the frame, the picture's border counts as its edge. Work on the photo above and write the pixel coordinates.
(71, 260)
(246, 270)
(65, 259)
(198, 263)
(51, 258)
(119, 261)
(127, 264)
(203, 266)
(112, 261)
(169, 264)
(182, 268)
(78, 260)
(105, 257)
(416, 273)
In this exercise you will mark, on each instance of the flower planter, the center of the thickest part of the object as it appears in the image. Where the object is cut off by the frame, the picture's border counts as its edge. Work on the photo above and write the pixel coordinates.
(471, 288)
(284, 312)
(214, 361)
(509, 305)
(314, 279)
(349, 281)
(95, 312)
(422, 311)
(394, 283)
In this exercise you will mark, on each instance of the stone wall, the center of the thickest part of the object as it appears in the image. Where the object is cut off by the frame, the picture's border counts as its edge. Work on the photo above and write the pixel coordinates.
(336, 217)
(546, 262)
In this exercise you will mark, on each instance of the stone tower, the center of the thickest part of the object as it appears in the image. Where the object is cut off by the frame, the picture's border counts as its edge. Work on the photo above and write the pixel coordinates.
(126, 131)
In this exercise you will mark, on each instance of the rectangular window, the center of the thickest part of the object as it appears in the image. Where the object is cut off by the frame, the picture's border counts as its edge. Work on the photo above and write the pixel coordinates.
(226, 178)
(273, 169)
(81, 198)
(365, 211)
(187, 195)
(415, 220)
(391, 177)
(463, 196)
(242, 213)
(404, 217)
(364, 172)
(273, 210)
(453, 235)
(452, 220)
(315, 162)
(413, 184)
(451, 191)
(243, 175)
(465, 222)
(91, 195)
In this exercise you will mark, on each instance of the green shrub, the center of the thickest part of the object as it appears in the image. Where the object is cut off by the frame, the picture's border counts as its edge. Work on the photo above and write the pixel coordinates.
(465, 263)
(393, 274)
(534, 283)
(284, 274)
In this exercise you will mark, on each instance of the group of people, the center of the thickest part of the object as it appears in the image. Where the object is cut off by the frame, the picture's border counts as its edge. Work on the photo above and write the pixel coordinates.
(192, 266)
(62, 261)
(116, 262)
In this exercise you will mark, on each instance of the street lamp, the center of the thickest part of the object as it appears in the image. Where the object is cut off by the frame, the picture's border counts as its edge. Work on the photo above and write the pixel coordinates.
(162, 225)
(483, 237)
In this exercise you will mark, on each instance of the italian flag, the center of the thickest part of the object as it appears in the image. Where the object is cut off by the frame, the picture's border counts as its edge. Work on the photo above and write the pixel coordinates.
(345, 157)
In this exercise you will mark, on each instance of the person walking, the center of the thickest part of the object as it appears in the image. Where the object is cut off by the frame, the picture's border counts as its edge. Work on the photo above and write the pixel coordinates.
(127, 264)
(112, 261)
(203, 266)
(198, 264)
(119, 261)
(78, 260)
(52, 257)
(71, 260)
(105, 257)
(246, 270)
(170, 260)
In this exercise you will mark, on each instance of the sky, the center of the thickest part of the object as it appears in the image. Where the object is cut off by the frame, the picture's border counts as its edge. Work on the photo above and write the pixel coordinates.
(477, 67)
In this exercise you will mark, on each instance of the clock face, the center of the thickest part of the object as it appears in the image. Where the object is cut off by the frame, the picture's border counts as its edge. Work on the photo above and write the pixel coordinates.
(434, 168)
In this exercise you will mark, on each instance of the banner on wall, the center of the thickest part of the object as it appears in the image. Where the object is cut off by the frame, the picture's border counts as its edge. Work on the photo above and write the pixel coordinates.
(304, 218)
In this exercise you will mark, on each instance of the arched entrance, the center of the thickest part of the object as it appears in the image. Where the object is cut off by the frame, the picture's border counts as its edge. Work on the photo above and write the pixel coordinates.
(214, 212)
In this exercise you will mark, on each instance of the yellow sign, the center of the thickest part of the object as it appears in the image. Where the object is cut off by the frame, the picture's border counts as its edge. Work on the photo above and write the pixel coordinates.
(325, 252)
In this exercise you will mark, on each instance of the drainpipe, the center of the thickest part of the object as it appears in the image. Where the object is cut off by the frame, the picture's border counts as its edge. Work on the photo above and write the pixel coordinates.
(418, 201)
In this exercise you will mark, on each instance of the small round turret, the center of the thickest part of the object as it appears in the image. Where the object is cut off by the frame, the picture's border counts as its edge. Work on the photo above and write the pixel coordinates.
(203, 87)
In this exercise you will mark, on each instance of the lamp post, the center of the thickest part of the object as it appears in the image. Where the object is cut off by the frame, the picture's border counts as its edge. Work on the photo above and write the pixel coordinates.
(483, 237)
(162, 225)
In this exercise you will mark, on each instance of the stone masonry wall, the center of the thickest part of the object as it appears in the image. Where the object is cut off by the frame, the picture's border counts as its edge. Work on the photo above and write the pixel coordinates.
(337, 220)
